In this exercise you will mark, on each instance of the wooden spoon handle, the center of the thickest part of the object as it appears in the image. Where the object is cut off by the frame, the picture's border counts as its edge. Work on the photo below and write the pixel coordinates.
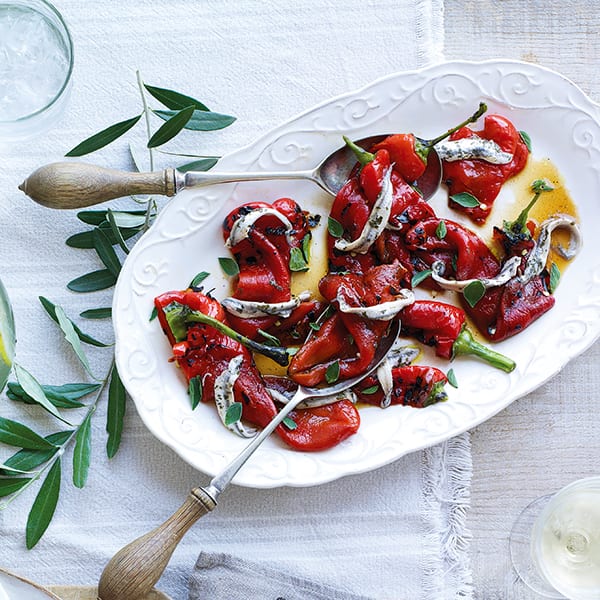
(76, 185)
(132, 572)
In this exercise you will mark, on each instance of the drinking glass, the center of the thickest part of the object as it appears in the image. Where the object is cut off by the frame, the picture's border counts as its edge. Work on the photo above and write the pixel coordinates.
(555, 542)
(36, 62)
(7, 337)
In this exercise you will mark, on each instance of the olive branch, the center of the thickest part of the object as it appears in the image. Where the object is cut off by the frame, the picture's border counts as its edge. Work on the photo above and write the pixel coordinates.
(112, 234)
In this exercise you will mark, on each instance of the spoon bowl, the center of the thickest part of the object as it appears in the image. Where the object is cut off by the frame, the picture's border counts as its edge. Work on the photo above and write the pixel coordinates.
(68, 185)
(134, 570)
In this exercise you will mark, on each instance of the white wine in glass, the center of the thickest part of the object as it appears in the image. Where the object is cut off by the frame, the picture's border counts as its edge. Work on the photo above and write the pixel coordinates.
(564, 542)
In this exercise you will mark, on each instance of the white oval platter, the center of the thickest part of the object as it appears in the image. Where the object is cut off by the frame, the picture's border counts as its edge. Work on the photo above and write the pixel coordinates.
(564, 126)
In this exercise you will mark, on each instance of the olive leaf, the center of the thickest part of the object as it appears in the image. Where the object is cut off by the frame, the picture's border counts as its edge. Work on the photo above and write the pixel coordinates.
(116, 232)
(125, 219)
(71, 336)
(50, 308)
(27, 460)
(34, 390)
(82, 452)
(115, 412)
(171, 127)
(10, 486)
(43, 507)
(16, 434)
(198, 165)
(97, 313)
(85, 239)
(200, 120)
(174, 100)
(62, 396)
(106, 252)
(93, 282)
(104, 137)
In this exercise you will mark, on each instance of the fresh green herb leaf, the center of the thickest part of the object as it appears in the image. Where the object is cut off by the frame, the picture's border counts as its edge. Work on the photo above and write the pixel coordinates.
(526, 139)
(97, 313)
(71, 336)
(195, 391)
(82, 452)
(441, 230)
(419, 277)
(270, 339)
(34, 390)
(174, 100)
(297, 260)
(452, 378)
(290, 423)
(315, 326)
(370, 390)
(105, 251)
(19, 435)
(153, 313)
(50, 308)
(334, 228)
(332, 373)
(233, 414)
(306, 247)
(104, 137)
(170, 128)
(474, 292)
(554, 278)
(204, 164)
(27, 459)
(9, 486)
(93, 282)
(115, 412)
(465, 199)
(200, 120)
(195, 283)
(229, 266)
(43, 507)
(62, 396)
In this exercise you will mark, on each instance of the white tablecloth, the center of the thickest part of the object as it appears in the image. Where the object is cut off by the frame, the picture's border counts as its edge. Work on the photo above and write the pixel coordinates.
(397, 532)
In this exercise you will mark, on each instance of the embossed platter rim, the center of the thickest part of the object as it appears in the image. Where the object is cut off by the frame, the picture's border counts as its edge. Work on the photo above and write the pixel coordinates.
(564, 126)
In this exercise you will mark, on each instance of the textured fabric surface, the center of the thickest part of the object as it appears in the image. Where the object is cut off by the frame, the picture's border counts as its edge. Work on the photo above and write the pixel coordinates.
(397, 532)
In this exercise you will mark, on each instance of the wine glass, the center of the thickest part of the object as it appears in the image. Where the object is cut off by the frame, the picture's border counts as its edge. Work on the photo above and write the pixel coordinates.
(555, 542)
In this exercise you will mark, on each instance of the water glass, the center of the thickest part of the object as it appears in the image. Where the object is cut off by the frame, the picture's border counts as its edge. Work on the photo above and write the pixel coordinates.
(36, 62)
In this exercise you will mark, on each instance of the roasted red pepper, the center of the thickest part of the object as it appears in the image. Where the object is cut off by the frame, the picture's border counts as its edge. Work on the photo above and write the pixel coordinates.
(482, 179)
(263, 257)
(443, 326)
(415, 385)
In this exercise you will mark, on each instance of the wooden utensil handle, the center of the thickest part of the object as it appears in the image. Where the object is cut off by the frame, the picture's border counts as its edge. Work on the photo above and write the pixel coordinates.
(132, 572)
(76, 185)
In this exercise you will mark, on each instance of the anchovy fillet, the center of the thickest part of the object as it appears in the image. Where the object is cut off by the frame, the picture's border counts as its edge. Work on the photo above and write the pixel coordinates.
(242, 226)
(400, 355)
(385, 311)
(224, 396)
(314, 402)
(247, 309)
(472, 148)
(377, 222)
(539, 255)
(509, 270)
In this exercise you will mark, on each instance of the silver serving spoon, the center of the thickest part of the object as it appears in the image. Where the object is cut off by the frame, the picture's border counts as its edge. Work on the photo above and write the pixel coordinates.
(134, 570)
(76, 185)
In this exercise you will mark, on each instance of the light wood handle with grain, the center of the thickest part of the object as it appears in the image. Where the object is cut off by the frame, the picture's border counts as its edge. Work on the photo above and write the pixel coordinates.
(132, 572)
(76, 185)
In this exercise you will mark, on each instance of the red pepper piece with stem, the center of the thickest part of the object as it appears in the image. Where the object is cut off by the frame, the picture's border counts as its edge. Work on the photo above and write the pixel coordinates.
(263, 257)
(415, 385)
(443, 326)
(482, 179)
(315, 428)
(202, 351)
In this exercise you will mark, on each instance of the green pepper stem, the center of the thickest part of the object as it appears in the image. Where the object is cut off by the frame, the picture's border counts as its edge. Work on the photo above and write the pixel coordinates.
(466, 344)
(482, 108)
(363, 157)
(279, 355)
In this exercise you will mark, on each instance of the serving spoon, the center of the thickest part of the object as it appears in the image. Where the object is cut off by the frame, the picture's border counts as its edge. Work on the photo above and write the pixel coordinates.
(77, 185)
(134, 570)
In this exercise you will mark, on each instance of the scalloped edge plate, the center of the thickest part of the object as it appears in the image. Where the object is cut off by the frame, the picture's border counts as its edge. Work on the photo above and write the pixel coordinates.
(565, 128)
